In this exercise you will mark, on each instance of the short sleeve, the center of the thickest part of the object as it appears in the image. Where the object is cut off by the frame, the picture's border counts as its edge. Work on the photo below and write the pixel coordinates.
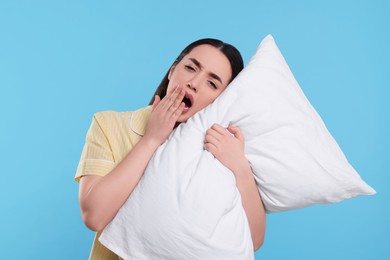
(96, 157)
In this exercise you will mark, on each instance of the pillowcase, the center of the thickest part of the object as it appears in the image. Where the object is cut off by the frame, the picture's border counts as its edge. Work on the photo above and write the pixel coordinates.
(187, 203)
(295, 160)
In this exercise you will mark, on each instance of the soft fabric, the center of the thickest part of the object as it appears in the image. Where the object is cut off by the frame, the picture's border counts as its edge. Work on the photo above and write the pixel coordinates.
(110, 137)
(187, 204)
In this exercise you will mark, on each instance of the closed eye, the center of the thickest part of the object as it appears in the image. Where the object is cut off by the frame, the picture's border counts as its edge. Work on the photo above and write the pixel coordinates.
(190, 68)
(213, 85)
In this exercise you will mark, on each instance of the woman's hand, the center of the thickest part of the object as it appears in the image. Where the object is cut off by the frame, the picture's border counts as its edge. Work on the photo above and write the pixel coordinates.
(227, 145)
(164, 116)
(102, 196)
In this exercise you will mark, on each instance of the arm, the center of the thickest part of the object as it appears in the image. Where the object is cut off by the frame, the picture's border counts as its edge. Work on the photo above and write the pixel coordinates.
(228, 148)
(101, 197)
(253, 205)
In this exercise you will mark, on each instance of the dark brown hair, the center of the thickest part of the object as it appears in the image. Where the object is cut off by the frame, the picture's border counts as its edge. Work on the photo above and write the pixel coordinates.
(231, 53)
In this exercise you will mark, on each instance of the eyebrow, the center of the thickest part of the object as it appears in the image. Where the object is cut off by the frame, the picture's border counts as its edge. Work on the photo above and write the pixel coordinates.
(213, 75)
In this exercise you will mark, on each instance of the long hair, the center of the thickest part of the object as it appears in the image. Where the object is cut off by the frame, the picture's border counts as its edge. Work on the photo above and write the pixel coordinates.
(231, 53)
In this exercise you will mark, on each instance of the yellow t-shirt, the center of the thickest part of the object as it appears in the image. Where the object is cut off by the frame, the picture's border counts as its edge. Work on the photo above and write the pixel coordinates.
(110, 137)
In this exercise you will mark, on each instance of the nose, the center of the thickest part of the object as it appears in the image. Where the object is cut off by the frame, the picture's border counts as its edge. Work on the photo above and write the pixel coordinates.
(192, 86)
(196, 81)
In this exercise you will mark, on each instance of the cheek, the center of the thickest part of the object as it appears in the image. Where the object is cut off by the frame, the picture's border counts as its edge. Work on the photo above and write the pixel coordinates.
(214, 96)
(171, 85)
(208, 100)
(169, 89)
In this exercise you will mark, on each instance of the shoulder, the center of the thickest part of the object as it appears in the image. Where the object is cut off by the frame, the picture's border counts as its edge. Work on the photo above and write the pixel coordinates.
(131, 120)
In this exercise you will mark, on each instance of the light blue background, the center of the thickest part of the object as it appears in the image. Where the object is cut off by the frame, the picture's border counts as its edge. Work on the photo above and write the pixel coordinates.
(61, 61)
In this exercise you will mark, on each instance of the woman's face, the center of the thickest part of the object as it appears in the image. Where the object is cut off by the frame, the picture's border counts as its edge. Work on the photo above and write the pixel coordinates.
(203, 74)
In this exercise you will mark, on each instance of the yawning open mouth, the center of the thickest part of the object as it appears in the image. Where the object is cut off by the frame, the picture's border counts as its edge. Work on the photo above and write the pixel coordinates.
(187, 101)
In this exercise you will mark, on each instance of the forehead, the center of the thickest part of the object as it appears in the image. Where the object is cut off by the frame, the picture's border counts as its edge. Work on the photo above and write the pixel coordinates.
(212, 61)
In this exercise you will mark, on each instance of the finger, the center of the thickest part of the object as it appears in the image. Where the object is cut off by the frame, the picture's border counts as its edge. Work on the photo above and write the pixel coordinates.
(167, 96)
(220, 129)
(211, 139)
(175, 115)
(211, 148)
(215, 134)
(177, 102)
(171, 98)
(236, 131)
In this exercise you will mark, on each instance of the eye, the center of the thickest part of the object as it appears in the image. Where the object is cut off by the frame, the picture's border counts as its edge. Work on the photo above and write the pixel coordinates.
(212, 84)
(190, 68)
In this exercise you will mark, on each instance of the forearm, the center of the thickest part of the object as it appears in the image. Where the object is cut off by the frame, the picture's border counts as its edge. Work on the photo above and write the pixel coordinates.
(228, 148)
(252, 204)
(102, 197)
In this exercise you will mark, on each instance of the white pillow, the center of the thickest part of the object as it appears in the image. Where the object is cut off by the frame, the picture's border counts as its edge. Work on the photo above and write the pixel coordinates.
(295, 159)
(187, 203)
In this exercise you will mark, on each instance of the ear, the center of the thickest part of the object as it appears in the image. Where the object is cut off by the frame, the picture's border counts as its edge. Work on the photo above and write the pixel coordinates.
(171, 71)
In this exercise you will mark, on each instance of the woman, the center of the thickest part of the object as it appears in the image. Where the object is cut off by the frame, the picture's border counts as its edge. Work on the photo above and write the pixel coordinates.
(119, 145)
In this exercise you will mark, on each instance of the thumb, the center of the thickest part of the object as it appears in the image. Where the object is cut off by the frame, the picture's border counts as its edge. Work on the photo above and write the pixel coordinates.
(156, 101)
